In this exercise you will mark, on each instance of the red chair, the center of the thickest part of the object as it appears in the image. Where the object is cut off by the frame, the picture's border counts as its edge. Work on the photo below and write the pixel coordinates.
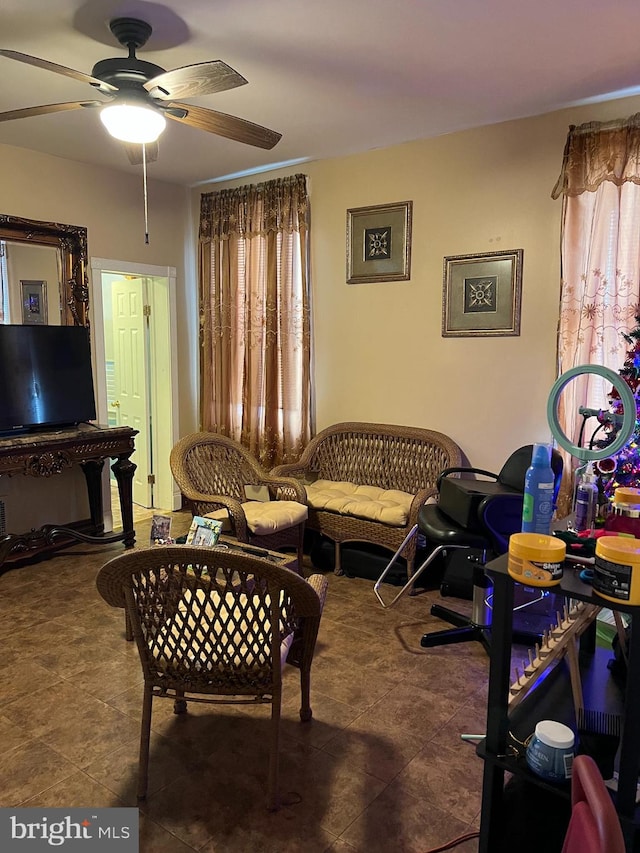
(594, 826)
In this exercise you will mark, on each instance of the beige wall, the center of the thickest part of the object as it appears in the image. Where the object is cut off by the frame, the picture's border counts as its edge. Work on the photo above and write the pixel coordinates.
(110, 205)
(379, 354)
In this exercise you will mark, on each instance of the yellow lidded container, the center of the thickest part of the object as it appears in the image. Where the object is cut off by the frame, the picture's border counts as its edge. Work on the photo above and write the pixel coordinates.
(616, 574)
(536, 559)
(628, 498)
(625, 512)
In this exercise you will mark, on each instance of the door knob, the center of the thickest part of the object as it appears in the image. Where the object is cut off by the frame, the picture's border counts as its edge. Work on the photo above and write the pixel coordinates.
(116, 404)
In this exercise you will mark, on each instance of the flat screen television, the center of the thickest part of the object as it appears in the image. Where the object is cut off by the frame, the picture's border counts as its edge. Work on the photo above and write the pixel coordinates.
(45, 377)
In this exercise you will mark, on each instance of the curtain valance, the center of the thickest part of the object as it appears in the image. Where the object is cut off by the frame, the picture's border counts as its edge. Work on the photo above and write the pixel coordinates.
(278, 205)
(600, 151)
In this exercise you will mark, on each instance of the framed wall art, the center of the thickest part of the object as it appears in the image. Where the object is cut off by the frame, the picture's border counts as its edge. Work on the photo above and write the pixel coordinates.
(34, 302)
(482, 294)
(379, 243)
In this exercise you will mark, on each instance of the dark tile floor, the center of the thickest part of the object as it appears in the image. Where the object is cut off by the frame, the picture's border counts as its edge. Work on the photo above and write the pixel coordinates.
(381, 768)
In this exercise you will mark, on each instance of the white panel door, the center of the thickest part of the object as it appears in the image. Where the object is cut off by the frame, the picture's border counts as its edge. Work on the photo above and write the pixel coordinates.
(131, 376)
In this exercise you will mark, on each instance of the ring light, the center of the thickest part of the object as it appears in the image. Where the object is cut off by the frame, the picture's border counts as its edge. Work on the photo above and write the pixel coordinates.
(626, 397)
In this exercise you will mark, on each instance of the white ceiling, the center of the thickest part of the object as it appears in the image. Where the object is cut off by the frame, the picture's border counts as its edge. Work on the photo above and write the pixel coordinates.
(333, 76)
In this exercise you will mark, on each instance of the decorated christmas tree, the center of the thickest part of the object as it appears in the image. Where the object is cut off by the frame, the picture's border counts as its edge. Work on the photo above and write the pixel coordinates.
(623, 469)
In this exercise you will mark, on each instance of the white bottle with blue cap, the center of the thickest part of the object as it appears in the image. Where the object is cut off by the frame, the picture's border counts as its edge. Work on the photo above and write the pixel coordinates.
(539, 485)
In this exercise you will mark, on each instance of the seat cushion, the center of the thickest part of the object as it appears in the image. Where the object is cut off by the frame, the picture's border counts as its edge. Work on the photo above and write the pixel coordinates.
(439, 529)
(268, 517)
(221, 515)
(265, 517)
(389, 506)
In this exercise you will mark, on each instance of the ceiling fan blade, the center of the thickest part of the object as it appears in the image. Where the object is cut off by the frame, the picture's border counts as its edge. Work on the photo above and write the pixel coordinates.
(59, 69)
(45, 109)
(134, 152)
(204, 78)
(230, 127)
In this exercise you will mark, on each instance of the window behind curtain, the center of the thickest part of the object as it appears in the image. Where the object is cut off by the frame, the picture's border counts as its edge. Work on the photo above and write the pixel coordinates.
(600, 257)
(255, 320)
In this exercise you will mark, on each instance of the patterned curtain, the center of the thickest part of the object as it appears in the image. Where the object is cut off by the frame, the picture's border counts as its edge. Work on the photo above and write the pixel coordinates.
(600, 258)
(255, 317)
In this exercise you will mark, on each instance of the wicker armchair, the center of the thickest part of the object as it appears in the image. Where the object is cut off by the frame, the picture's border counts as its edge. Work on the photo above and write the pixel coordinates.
(213, 471)
(215, 623)
(394, 458)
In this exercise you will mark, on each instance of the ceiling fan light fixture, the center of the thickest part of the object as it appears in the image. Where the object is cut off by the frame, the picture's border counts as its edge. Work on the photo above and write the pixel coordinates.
(132, 122)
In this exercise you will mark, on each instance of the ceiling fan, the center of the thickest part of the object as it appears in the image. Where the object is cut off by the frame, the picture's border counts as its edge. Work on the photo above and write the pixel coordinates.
(140, 95)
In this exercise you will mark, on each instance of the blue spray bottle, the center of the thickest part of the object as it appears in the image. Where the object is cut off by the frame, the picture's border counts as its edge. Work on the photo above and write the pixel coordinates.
(539, 484)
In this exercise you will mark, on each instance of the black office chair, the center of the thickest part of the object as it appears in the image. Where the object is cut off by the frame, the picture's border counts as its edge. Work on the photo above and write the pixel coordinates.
(499, 516)
(479, 516)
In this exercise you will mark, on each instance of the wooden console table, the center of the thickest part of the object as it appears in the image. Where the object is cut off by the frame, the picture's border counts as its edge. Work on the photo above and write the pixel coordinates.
(45, 454)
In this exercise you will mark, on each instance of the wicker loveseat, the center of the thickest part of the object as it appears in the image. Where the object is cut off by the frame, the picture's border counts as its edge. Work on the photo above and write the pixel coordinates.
(366, 482)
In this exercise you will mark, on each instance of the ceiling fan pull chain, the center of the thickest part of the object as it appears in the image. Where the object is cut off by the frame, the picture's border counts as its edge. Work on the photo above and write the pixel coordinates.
(144, 180)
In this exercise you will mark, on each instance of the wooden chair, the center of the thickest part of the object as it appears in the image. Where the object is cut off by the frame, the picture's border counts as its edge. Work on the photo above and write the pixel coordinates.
(209, 623)
(215, 473)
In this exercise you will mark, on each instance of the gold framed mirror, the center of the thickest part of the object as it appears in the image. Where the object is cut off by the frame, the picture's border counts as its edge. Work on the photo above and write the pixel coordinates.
(70, 241)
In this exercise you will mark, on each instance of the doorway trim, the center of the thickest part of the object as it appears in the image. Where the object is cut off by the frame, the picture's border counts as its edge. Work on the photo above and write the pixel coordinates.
(106, 265)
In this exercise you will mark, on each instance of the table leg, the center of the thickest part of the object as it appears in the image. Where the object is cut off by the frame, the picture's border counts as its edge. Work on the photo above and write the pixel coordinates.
(491, 825)
(93, 476)
(630, 745)
(123, 469)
